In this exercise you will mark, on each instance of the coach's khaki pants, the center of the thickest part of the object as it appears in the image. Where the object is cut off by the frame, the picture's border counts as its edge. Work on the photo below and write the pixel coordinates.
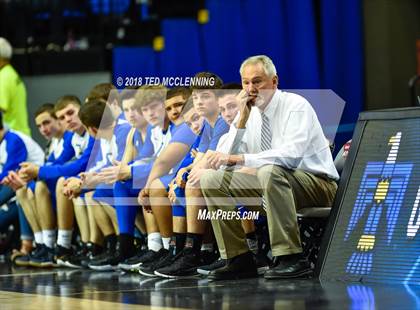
(284, 191)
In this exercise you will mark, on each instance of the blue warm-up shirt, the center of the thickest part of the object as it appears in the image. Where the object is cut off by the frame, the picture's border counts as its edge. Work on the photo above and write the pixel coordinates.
(61, 150)
(15, 148)
(211, 135)
(82, 146)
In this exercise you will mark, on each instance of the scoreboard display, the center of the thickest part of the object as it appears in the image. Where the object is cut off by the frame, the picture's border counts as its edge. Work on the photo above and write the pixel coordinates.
(373, 233)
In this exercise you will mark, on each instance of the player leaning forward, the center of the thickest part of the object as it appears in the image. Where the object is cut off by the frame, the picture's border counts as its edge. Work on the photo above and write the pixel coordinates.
(280, 153)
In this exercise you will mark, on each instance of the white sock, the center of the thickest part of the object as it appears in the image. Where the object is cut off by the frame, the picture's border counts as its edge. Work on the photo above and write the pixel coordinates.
(154, 241)
(207, 247)
(38, 237)
(48, 236)
(166, 242)
(64, 238)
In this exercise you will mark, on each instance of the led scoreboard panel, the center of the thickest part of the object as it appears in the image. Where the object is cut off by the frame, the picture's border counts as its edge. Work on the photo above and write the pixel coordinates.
(373, 233)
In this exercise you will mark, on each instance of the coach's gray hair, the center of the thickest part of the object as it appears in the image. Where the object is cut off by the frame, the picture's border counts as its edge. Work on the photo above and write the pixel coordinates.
(267, 63)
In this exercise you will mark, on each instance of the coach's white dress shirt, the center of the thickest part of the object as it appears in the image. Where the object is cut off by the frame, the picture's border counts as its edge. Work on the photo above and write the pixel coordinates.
(298, 141)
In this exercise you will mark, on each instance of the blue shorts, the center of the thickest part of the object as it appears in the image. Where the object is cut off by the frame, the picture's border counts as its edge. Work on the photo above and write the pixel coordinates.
(124, 194)
(84, 191)
(179, 208)
(31, 186)
(102, 192)
(105, 195)
(166, 179)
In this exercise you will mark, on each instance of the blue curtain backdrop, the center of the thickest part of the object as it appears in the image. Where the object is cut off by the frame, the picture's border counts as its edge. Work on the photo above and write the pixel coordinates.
(314, 44)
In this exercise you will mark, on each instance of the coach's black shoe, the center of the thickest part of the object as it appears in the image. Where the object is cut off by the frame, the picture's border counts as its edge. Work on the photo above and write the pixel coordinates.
(205, 270)
(184, 264)
(294, 267)
(238, 267)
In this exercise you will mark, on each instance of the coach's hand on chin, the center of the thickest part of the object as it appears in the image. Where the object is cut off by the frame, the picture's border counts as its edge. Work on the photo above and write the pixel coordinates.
(246, 101)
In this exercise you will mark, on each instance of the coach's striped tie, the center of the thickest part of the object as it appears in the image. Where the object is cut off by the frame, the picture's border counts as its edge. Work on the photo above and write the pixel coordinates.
(266, 136)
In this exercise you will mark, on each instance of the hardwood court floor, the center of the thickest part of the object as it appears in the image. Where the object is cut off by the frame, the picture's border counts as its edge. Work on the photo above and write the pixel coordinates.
(24, 288)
